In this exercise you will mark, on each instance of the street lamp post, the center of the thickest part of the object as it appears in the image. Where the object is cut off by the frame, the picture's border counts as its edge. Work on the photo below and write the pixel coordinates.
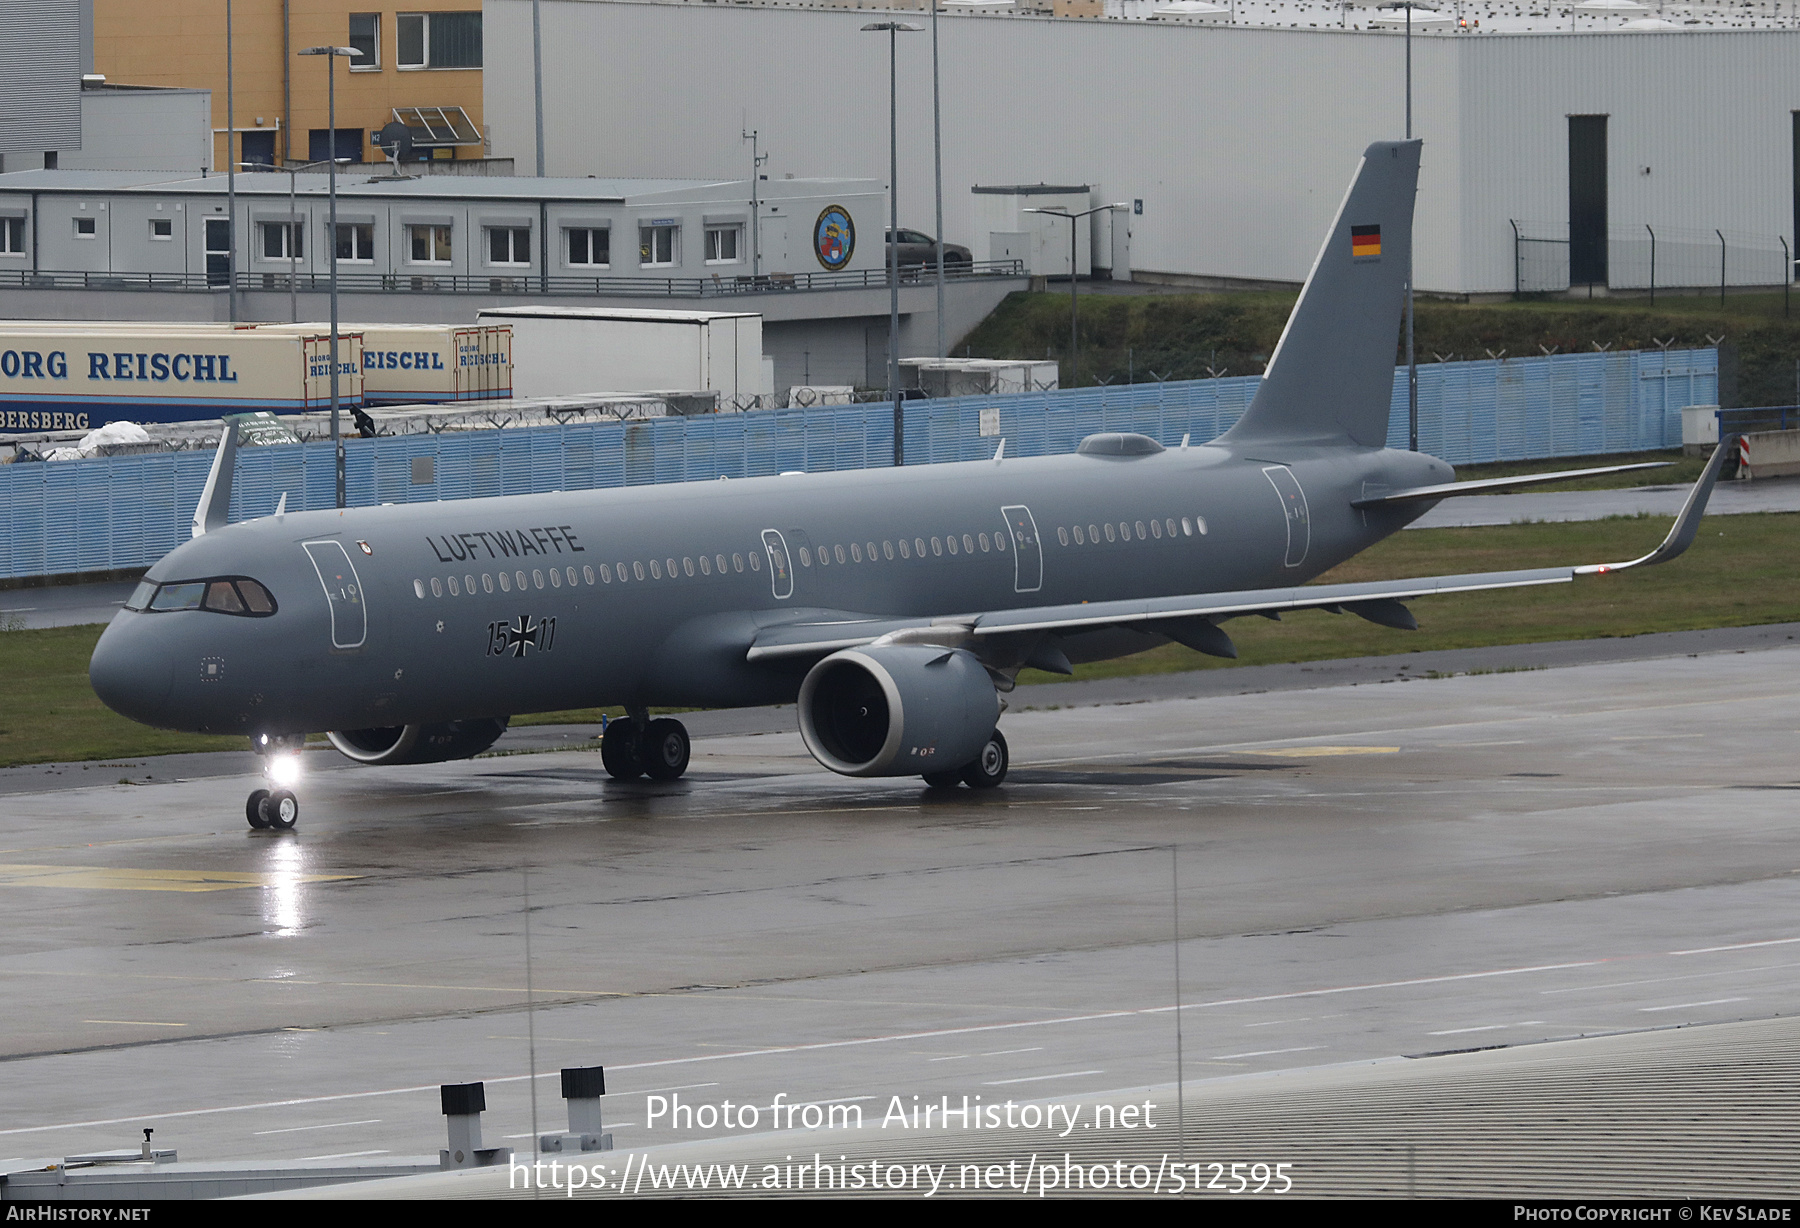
(293, 225)
(893, 30)
(231, 264)
(332, 54)
(1412, 364)
(937, 166)
(1074, 352)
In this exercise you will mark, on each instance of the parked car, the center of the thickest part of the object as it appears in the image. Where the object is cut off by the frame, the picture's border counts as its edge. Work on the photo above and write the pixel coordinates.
(918, 249)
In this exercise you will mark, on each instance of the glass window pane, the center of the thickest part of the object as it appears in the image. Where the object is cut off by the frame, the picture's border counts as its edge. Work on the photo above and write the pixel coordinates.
(256, 597)
(365, 36)
(455, 40)
(411, 42)
(179, 597)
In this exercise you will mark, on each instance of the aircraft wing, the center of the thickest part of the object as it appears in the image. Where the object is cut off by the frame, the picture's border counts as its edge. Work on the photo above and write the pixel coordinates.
(1379, 601)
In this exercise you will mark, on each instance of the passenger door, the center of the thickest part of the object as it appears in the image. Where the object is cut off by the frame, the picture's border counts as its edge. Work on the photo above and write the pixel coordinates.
(1028, 551)
(781, 570)
(1293, 503)
(343, 593)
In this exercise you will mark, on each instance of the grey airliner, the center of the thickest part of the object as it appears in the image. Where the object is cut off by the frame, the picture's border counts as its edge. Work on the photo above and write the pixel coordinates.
(895, 607)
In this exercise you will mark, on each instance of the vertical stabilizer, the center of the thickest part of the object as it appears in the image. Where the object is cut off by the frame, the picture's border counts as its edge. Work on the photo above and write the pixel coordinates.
(1331, 378)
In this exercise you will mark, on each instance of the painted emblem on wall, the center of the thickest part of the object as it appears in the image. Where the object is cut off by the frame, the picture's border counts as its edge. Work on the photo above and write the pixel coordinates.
(834, 237)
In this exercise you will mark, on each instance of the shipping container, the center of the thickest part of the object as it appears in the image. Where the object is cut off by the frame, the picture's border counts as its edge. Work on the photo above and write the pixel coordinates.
(410, 364)
(69, 376)
(576, 351)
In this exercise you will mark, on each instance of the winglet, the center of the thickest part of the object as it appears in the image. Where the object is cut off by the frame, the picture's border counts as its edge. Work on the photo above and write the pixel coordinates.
(1681, 536)
(215, 498)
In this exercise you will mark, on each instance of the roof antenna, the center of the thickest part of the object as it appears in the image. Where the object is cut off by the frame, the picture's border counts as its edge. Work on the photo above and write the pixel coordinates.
(281, 505)
(1000, 452)
(1184, 439)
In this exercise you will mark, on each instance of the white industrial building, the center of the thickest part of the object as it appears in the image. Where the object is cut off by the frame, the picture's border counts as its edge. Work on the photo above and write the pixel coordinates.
(1232, 143)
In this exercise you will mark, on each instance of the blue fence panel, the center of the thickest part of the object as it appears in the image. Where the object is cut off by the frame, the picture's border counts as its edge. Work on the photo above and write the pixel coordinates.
(128, 511)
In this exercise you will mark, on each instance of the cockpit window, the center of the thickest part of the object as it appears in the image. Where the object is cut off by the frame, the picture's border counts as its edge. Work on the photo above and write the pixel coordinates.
(225, 595)
(256, 597)
(178, 597)
(222, 596)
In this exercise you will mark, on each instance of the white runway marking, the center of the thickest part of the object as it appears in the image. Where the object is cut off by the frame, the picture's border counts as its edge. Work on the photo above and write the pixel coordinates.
(1682, 1006)
(1067, 1074)
(336, 1125)
(1738, 946)
(1228, 1057)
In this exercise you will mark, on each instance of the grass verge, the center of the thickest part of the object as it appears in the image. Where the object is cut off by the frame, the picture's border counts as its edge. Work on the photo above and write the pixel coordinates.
(1740, 572)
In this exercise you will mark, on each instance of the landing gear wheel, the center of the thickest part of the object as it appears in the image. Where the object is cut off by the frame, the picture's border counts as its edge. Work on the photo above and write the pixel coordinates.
(280, 810)
(989, 768)
(943, 780)
(619, 751)
(253, 809)
(664, 749)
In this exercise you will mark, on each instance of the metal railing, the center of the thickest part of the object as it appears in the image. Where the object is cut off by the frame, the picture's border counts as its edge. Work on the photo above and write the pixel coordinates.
(519, 281)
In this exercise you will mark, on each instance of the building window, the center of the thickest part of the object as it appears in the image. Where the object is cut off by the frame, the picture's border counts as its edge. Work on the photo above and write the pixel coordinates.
(355, 243)
(162, 228)
(439, 40)
(509, 245)
(365, 37)
(85, 227)
(659, 245)
(590, 248)
(281, 240)
(723, 243)
(430, 244)
(12, 236)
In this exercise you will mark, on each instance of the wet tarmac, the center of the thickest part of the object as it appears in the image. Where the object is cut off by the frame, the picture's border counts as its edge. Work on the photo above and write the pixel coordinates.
(1354, 872)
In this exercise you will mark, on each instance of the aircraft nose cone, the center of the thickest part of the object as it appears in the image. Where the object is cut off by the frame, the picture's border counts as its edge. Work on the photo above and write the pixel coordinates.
(128, 671)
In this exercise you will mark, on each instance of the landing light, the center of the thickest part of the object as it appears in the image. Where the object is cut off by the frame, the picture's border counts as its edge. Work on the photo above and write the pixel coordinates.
(284, 770)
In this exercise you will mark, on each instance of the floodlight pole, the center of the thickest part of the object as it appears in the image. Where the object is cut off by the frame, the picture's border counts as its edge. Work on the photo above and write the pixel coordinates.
(1412, 365)
(332, 54)
(1074, 317)
(230, 177)
(937, 162)
(893, 29)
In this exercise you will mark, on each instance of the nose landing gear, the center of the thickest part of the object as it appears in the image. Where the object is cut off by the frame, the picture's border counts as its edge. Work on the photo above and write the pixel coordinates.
(276, 809)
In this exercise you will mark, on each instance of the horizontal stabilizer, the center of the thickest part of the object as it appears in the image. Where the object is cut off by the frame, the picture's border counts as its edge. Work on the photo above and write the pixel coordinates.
(1489, 486)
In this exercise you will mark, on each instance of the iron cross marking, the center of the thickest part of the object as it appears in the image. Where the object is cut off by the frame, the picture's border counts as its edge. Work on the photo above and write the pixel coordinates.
(525, 633)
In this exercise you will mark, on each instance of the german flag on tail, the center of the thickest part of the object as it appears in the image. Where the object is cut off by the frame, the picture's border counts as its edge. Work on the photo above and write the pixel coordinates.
(1365, 241)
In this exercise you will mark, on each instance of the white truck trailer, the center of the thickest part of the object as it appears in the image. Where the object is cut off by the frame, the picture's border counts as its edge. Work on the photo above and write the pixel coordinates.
(577, 351)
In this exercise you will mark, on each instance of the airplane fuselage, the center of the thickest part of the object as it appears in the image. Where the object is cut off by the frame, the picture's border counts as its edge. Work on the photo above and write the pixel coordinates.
(650, 596)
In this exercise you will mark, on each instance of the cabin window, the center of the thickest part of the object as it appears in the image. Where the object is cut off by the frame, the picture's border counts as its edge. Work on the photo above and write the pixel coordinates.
(824, 556)
(519, 579)
(487, 583)
(705, 566)
(950, 543)
(756, 562)
(555, 578)
(655, 570)
(437, 587)
(855, 553)
(1156, 528)
(418, 589)
(1200, 525)
(469, 585)
(1080, 540)
(605, 574)
(687, 565)
(737, 562)
(968, 544)
(937, 546)
(505, 583)
(1140, 531)
(887, 548)
(1062, 535)
(839, 552)
(1110, 535)
(450, 583)
(670, 564)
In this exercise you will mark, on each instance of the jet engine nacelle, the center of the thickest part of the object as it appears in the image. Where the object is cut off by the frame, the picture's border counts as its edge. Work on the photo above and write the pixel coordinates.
(396, 744)
(897, 710)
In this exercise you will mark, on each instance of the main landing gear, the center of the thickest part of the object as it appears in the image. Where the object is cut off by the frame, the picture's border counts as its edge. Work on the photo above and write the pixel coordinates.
(272, 809)
(987, 772)
(635, 746)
